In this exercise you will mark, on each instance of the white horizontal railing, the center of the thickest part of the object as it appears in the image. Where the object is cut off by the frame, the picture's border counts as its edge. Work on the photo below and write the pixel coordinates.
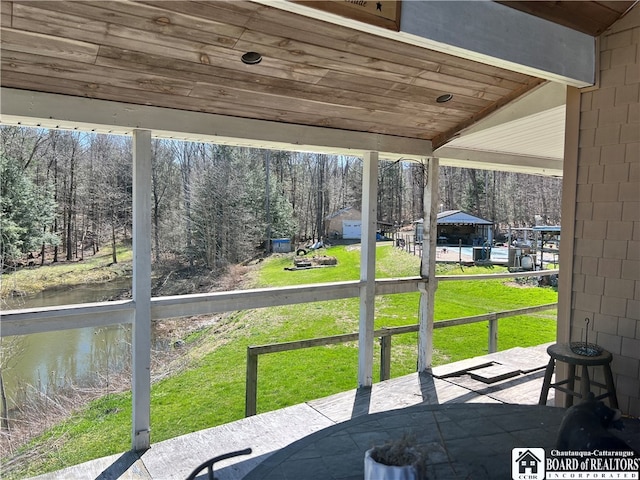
(48, 319)
(67, 317)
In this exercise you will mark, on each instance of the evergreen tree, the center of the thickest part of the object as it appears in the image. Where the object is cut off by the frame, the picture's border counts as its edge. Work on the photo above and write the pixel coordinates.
(26, 212)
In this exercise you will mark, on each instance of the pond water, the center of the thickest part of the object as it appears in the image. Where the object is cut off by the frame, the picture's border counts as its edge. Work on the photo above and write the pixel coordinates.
(42, 360)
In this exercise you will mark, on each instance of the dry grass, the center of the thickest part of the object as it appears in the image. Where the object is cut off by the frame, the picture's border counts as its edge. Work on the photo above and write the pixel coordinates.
(38, 411)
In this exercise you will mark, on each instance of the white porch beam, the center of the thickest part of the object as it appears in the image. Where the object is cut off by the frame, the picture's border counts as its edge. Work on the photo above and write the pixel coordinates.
(368, 268)
(505, 162)
(47, 110)
(486, 32)
(428, 265)
(141, 336)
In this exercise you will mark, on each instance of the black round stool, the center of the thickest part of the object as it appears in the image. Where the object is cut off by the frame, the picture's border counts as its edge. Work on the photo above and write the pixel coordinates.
(561, 352)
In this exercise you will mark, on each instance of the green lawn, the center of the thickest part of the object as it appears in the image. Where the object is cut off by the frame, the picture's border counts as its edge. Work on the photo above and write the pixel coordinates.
(211, 390)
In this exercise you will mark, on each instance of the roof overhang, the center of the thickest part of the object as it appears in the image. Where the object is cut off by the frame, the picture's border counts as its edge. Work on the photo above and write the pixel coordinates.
(47, 110)
(284, 104)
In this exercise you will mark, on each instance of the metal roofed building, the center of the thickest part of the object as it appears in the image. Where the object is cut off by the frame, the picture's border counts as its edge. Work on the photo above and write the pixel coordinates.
(455, 226)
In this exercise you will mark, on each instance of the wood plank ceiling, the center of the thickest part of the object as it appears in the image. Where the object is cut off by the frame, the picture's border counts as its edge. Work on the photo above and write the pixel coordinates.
(186, 55)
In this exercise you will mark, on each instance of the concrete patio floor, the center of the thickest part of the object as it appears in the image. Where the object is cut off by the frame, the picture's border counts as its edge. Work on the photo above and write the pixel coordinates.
(267, 433)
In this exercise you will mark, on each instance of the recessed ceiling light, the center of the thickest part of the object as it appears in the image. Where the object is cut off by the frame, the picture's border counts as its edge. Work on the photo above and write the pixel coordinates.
(251, 58)
(444, 98)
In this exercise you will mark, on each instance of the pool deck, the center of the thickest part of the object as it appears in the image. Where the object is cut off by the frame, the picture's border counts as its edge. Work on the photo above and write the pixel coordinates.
(509, 377)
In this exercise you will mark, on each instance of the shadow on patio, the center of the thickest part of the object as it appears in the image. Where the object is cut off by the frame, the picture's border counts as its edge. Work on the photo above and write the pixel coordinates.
(324, 429)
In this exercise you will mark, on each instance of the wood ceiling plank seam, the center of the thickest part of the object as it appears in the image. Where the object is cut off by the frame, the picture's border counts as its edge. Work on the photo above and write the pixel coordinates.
(380, 122)
(317, 107)
(458, 62)
(127, 59)
(6, 13)
(372, 41)
(198, 57)
(107, 92)
(186, 20)
(441, 139)
(337, 98)
(145, 47)
(302, 49)
(268, 51)
(421, 98)
(152, 19)
(389, 55)
(146, 61)
(66, 70)
(234, 12)
(32, 42)
(29, 18)
(71, 25)
(204, 74)
(469, 103)
(458, 90)
(323, 94)
(72, 87)
(288, 35)
(480, 78)
(359, 97)
(463, 82)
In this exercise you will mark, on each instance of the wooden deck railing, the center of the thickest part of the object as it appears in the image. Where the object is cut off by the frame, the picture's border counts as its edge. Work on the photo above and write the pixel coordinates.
(385, 335)
(47, 319)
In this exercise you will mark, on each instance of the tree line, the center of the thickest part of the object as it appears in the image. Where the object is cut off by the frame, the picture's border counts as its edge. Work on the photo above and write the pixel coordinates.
(65, 194)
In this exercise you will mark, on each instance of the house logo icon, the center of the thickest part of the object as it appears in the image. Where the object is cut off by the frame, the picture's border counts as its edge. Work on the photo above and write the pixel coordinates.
(527, 464)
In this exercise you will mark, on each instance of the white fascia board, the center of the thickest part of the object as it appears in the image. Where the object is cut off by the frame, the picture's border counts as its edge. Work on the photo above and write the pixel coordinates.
(47, 110)
(499, 161)
(486, 32)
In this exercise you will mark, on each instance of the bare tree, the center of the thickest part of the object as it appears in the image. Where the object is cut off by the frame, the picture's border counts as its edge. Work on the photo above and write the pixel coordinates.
(163, 175)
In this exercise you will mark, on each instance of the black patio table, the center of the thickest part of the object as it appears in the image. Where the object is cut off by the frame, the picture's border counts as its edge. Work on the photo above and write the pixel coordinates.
(468, 440)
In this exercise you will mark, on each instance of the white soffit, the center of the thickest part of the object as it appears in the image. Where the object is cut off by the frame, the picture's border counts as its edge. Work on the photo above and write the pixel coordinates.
(532, 144)
(526, 136)
(537, 135)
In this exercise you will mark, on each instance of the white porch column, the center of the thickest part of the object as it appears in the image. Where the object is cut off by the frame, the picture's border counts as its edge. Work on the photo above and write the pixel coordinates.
(368, 267)
(141, 337)
(428, 264)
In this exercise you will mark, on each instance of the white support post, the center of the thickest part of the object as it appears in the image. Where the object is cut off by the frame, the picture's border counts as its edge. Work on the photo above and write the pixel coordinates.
(368, 268)
(428, 264)
(141, 338)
